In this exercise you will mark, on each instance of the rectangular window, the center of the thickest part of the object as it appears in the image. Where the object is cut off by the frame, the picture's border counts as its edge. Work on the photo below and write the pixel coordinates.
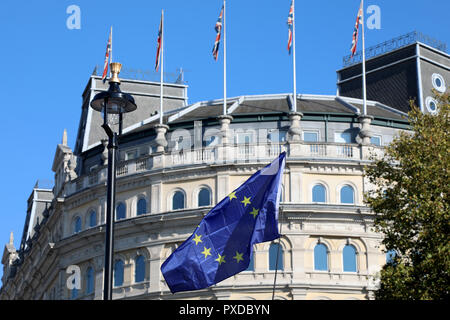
(129, 155)
(277, 136)
(342, 137)
(310, 136)
(376, 140)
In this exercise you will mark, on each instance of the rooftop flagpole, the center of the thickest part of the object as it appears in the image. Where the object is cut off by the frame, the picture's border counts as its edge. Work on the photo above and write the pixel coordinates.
(224, 60)
(278, 253)
(364, 63)
(293, 57)
(111, 58)
(162, 69)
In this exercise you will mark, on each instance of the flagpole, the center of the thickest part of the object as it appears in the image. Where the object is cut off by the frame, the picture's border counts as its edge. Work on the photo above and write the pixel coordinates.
(278, 252)
(224, 60)
(162, 69)
(364, 63)
(293, 57)
(111, 59)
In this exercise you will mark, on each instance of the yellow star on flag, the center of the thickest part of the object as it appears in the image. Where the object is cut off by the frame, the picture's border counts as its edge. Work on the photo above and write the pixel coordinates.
(220, 259)
(197, 239)
(206, 252)
(254, 212)
(232, 195)
(238, 257)
(246, 201)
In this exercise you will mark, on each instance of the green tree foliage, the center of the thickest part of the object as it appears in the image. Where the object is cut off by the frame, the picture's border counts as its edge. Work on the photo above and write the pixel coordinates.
(411, 202)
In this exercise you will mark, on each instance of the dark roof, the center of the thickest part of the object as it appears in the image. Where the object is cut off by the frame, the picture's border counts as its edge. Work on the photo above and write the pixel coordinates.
(272, 104)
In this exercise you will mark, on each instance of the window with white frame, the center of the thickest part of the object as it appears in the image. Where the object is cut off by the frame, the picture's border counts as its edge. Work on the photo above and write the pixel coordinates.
(349, 258)
(376, 140)
(275, 256)
(204, 197)
(139, 269)
(178, 200)
(347, 194)
(310, 136)
(320, 257)
(342, 137)
(438, 82)
(141, 207)
(131, 154)
(319, 193)
(121, 211)
(77, 225)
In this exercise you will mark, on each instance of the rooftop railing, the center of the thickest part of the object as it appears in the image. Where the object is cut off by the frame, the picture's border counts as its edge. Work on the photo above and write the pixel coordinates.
(225, 155)
(394, 44)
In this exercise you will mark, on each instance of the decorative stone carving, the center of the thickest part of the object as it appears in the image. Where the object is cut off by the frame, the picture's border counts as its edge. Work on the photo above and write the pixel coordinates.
(295, 132)
(161, 141)
(365, 133)
(225, 121)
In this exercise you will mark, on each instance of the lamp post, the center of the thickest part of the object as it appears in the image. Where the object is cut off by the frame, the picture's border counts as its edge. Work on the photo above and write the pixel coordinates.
(111, 102)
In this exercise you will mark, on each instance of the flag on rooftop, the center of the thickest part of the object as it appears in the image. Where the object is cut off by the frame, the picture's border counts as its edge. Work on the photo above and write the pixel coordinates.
(107, 56)
(222, 244)
(158, 50)
(218, 29)
(290, 23)
(359, 21)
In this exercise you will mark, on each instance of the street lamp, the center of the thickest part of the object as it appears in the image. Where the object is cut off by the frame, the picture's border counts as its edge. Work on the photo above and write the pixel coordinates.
(111, 102)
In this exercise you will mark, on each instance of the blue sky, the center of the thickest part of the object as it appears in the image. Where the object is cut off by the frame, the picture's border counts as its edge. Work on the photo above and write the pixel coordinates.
(45, 66)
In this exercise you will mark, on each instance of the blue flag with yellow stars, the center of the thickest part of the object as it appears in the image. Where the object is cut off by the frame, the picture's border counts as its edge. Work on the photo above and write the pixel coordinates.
(222, 244)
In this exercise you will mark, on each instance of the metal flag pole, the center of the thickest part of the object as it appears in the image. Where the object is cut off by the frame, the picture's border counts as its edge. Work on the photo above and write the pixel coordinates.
(162, 69)
(278, 252)
(110, 51)
(224, 60)
(364, 63)
(293, 57)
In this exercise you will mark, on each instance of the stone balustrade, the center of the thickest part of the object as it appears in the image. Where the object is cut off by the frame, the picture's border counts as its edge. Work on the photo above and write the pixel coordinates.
(223, 155)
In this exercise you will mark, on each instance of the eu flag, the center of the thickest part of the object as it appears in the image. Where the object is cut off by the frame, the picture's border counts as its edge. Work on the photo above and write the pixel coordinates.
(222, 244)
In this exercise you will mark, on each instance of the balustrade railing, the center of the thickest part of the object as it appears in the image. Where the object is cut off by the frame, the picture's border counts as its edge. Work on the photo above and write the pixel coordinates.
(229, 154)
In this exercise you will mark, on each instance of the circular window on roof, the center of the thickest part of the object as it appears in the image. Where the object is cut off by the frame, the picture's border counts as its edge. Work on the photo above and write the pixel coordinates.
(431, 104)
(438, 82)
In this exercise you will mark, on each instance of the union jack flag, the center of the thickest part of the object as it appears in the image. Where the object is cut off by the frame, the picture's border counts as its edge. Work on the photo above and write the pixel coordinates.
(356, 30)
(218, 29)
(108, 53)
(290, 23)
(158, 50)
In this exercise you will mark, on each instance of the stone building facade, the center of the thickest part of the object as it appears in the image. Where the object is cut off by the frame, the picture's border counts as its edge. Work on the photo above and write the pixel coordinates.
(168, 180)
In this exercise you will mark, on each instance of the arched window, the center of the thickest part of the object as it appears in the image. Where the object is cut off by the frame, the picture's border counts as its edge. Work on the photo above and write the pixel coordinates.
(204, 197)
(120, 211)
(89, 280)
(92, 218)
(275, 251)
(118, 273)
(320, 257)
(77, 225)
(139, 269)
(178, 200)
(347, 194)
(141, 206)
(251, 265)
(318, 193)
(349, 258)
